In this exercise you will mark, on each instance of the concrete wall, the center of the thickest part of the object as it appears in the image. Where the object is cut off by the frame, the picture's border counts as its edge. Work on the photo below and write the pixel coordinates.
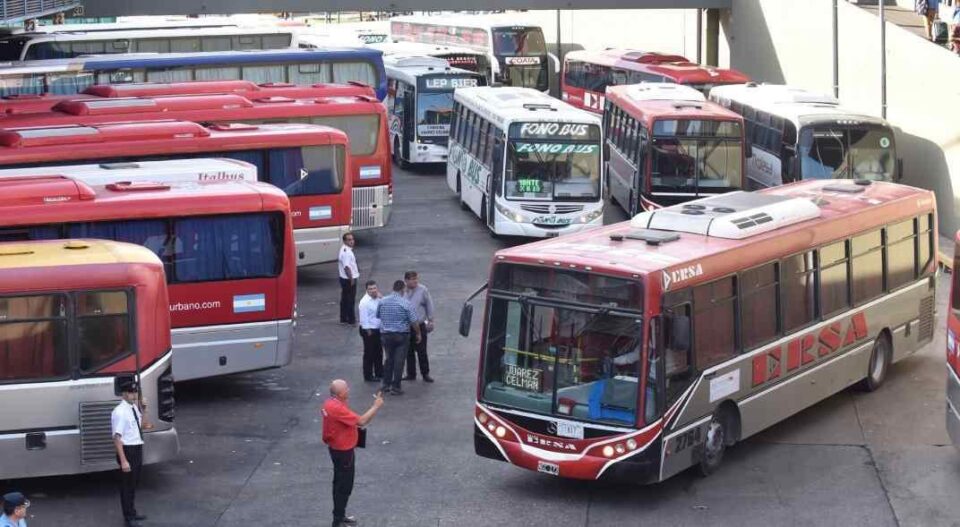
(665, 30)
(790, 42)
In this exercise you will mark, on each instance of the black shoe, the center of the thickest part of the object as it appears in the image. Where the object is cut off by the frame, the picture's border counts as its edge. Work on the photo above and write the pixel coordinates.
(349, 520)
(410, 378)
(396, 391)
(133, 523)
(427, 378)
(140, 517)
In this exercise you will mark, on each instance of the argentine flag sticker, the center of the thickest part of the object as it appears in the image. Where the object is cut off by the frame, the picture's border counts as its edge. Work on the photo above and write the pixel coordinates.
(249, 303)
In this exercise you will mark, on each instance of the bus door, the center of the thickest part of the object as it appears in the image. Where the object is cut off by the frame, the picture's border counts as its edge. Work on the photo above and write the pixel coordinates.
(495, 188)
(409, 116)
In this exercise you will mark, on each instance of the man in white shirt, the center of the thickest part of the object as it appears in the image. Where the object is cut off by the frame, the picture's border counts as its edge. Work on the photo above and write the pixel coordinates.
(349, 274)
(126, 422)
(370, 333)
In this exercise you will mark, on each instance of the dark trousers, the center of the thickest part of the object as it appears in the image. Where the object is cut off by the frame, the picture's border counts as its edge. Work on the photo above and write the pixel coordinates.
(344, 467)
(372, 354)
(395, 351)
(130, 480)
(418, 352)
(348, 298)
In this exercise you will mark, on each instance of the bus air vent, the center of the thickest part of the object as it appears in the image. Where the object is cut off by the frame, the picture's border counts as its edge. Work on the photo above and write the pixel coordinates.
(96, 443)
(76, 245)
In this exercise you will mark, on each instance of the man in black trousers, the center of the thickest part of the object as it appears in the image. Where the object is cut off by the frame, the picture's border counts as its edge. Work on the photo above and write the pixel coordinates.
(349, 274)
(127, 424)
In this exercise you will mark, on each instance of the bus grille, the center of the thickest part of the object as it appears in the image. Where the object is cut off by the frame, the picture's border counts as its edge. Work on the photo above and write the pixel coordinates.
(369, 207)
(546, 209)
(96, 443)
(926, 319)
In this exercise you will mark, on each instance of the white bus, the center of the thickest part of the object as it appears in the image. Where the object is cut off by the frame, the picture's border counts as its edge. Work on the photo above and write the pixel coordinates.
(420, 104)
(795, 134)
(65, 45)
(456, 56)
(527, 164)
(517, 52)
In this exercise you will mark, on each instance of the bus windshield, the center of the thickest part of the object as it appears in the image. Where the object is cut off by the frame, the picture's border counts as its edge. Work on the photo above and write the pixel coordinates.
(553, 167)
(546, 355)
(435, 105)
(689, 155)
(859, 153)
(519, 41)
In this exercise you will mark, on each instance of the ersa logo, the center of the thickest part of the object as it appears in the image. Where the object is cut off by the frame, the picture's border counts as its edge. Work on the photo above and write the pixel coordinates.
(682, 274)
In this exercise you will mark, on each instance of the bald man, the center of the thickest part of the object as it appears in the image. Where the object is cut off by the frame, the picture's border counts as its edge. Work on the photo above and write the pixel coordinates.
(340, 427)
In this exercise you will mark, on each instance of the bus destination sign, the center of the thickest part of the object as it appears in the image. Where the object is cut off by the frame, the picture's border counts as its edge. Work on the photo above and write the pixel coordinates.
(528, 379)
(558, 130)
(449, 83)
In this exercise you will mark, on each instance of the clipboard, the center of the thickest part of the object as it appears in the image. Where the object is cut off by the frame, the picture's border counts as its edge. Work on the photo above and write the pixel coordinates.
(361, 437)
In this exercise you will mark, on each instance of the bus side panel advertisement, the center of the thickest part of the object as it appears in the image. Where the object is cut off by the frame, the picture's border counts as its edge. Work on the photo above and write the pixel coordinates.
(227, 302)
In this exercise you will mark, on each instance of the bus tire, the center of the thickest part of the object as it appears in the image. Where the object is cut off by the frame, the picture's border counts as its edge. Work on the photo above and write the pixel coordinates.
(880, 357)
(720, 434)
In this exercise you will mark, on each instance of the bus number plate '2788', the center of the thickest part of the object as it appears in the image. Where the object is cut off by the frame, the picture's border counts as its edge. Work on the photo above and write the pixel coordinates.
(548, 468)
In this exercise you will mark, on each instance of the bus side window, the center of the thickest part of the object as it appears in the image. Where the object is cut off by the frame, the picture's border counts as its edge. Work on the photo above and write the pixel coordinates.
(641, 149)
(677, 335)
(797, 290)
(834, 278)
(714, 322)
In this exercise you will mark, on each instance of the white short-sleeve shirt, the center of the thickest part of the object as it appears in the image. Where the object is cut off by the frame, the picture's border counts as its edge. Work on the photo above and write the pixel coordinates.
(348, 260)
(125, 422)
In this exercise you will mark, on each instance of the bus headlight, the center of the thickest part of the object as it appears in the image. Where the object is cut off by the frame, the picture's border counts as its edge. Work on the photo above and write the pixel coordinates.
(511, 215)
(608, 451)
(590, 216)
(501, 431)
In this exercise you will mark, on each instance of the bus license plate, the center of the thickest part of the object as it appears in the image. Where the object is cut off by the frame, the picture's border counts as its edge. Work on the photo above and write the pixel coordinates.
(548, 468)
(571, 430)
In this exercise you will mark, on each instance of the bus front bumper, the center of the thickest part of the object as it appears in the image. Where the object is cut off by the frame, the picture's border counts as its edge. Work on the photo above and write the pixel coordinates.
(953, 406)
(318, 245)
(510, 227)
(428, 153)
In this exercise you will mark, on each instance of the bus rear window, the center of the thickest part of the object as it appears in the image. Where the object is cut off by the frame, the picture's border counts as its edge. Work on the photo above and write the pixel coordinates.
(307, 171)
(363, 131)
(11, 49)
(33, 338)
(103, 328)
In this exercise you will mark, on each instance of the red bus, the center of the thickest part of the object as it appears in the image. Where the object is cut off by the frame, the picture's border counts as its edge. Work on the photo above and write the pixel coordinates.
(352, 108)
(227, 251)
(586, 74)
(309, 162)
(30, 102)
(76, 318)
(637, 350)
(666, 144)
(953, 352)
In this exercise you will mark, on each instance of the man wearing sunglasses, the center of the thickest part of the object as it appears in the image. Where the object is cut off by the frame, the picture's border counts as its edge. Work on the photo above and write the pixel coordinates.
(14, 510)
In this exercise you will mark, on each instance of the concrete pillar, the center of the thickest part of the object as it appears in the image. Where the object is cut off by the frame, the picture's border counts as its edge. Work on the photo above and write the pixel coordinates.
(713, 37)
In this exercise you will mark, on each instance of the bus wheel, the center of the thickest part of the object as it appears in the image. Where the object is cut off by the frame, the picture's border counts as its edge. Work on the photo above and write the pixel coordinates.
(880, 358)
(714, 444)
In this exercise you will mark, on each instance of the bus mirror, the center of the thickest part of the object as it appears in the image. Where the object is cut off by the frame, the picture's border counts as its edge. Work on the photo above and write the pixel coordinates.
(466, 317)
(748, 150)
(899, 175)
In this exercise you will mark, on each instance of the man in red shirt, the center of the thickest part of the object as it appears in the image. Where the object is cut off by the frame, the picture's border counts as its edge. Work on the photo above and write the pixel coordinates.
(340, 433)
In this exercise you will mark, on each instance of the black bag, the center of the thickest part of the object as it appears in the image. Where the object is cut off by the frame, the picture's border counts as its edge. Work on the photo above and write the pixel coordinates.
(361, 438)
(921, 7)
(941, 33)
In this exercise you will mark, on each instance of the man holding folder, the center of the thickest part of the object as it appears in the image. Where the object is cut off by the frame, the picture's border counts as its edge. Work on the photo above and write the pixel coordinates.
(341, 431)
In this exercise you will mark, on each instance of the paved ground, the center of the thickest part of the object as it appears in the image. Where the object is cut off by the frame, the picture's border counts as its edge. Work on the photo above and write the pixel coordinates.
(252, 454)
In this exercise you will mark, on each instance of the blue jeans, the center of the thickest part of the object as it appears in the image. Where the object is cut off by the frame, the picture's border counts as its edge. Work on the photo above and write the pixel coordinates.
(395, 346)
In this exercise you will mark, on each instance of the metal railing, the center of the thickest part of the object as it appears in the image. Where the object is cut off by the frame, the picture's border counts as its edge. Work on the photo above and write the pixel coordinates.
(19, 10)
